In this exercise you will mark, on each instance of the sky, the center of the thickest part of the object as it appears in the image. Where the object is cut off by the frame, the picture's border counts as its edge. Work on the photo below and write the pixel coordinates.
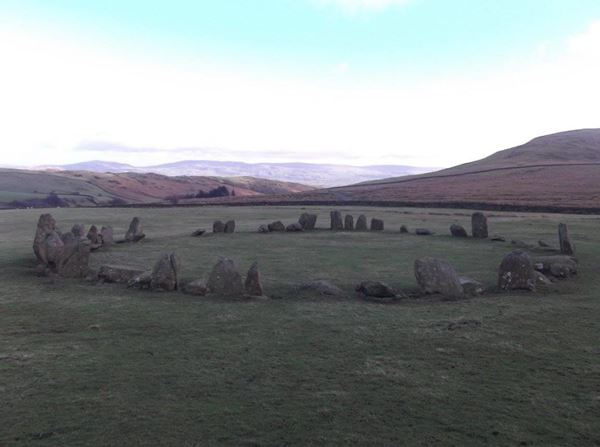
(363, 82)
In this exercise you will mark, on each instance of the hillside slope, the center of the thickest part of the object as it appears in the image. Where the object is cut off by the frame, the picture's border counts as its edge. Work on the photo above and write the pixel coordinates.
(84, 188)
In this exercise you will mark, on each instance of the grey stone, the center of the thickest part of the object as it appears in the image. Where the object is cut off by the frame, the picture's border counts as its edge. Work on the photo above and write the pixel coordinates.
(46, 225)
(277, 226)
(94, 236)
(361, 223)
(199, 232)
(294, 227)
(107, 236)
(308, 221)
(471, 287)
(263, 229)
(197, 287)
(375, 289)
(74, 262)
(165, 274)
(423, 232)
(225, 279)
(253, 284)
(566, 247)
(322, 287)
(336, 221)
(118, 273)
(559, 266)
(135, 232)
(218, 227)
(516, 272)
(479, 226)
(498, 238)
(403, 229)
(78, 230)
(349, 222)
(458, 230)
(229, 227)
(437, 276)
(377, 225)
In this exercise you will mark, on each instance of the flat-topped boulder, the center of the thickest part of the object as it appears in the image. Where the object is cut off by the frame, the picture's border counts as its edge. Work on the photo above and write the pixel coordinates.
(294, 227)
(218, 227)
(253, 284)
(276, 226)
(349, 222)
(308, 221)
(436, 276)
(516, 272)
(135, 233)
(566, 247)
(229, 227)
(377, 225)
(119, 274)
(337, 223)
(165, 274)
(225, 279)
(375, 289)
(423, 232)
(559, 266)
(458, 230)
(479, 226)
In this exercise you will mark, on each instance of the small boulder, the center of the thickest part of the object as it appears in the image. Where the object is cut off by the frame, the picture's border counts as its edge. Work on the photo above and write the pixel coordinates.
(118, 274)
(142, 281)
(294, 227)
(218, 227)
(423, 232)
(361, 223)
(277, 226)
(471, 287)
(498, 238)
(336, 221)
(543, 244)
(225, 279)
(135, 233)
(516, 272)
(566, 247)
(458, 230)
(479, 226)
(559, 266)
(377, 225)
(322, 287)
(253, 285)
(197, 287)
(263, 228)
(229, 227)
(199, 232)
(541, 279)
(349, 222)
(519, 244)
(403, 229)
(165, 274)
(437, 276)
(308, 221)
(375, 289)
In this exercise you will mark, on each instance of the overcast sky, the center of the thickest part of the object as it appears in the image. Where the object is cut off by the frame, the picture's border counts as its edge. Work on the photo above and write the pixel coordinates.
(418, 82)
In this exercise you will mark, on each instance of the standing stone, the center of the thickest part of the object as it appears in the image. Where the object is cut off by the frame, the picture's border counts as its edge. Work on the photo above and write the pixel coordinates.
(74, 262)
(253, 284)
(361, 223)
(106, 233)
(94, 236)
(165, 274)
(349, 222)
(566, 248)
(336, 221)
(218, 227)
(52, 249)
(437, 276)
(516, 272)
(376, 224)
(403, 229)
(308, 221)
(277, 226)
(46, 225)
(78, 230)
(479, 226)
(225, 279)
(135, 232)
(458, 230)
(229, 227)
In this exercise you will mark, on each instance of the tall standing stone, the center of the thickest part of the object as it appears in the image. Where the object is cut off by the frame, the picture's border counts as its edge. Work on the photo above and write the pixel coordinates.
(349, 222)
(46, 225)
(377, 225)
(165, 274)
(336, 221)
(253, 284)
(361, 223)
(566, 247)
(516, 272)
(94, 235)
(135, 232)
(229, 226)
(479, 226)
(107, 236)
(74, 262)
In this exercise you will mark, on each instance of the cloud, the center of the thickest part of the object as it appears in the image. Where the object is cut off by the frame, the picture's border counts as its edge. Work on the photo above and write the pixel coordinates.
(356, 6)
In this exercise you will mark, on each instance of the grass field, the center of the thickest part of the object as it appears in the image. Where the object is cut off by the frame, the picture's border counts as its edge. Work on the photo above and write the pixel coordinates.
(89, 364)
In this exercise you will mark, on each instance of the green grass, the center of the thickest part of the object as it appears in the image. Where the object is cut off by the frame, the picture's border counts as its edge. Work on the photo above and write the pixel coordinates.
(88, 364)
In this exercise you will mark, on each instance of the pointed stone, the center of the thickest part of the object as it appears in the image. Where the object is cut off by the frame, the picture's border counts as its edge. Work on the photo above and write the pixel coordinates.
(253, 284)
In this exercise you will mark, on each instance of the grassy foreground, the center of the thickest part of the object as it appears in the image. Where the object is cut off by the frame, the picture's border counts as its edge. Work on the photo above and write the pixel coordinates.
(88, 364)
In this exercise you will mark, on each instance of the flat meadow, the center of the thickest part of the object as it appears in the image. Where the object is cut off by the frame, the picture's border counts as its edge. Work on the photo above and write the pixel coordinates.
(84, 363)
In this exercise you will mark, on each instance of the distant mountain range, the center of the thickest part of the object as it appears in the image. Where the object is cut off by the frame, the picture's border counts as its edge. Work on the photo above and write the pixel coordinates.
(321, 175)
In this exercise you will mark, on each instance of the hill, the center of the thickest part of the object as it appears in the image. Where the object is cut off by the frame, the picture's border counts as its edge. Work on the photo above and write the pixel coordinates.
(318, 175)
(83, 188)
(559, 171)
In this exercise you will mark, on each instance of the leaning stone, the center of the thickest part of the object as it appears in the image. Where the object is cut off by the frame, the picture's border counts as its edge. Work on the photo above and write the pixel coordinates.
(516, 272)
(229, 227)
(294, 227)
(437, 276)
(458, 230)
(479, 226)
(118, 274)
(199, 232)
(197, 287)
(322, 287)
(403, 229)
(46, 225)
(423, 232)
(361, 223)
(566, 247)
(336, 221)
(253, 285)
(263, 229)
(225, 279)
(471, 287)
(277, 226)
(165, 274)
(376, 224)
(375, 289)
(349, 222)
(107, 236)
(74, 262)
(308, 221)
(218, 227)
(135, 232)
